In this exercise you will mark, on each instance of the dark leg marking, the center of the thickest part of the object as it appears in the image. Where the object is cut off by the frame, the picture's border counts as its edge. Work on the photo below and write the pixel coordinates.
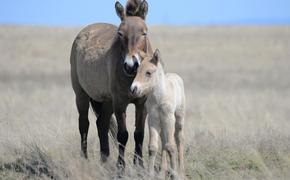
(122, 135)
(103, 123)
(141, 114)
(82, 102)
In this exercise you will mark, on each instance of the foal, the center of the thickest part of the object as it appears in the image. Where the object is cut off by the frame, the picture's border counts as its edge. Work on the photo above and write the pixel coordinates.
(166, 108)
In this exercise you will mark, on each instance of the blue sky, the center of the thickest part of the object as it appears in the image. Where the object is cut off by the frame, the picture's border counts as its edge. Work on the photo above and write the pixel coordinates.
(181, 12)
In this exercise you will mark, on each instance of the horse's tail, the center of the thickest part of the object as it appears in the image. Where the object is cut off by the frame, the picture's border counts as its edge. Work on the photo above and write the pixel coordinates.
(113, 129)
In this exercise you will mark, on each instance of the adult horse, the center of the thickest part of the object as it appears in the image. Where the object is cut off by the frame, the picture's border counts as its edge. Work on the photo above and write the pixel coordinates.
(104, 60)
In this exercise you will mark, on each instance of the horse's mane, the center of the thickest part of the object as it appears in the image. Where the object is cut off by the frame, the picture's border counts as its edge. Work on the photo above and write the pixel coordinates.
(132, 7)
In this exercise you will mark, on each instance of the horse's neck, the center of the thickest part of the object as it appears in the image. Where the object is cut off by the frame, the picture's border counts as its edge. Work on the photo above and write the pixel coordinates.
(118, 50)
(159, 90)
(117, 55)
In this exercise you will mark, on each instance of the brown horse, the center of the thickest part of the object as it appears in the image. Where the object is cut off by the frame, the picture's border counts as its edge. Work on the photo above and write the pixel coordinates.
(104, 60)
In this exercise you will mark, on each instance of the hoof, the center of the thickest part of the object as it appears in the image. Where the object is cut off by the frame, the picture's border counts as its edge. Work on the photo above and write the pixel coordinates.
(84, 155)
(120, 167)
(104, 157)
(138, 161)
(172, 175)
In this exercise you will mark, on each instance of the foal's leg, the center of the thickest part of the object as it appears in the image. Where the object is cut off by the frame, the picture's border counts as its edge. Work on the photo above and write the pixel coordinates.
(167, 132)
(153, 144)
(82, 102)
(179, 139)
(163, 168)
(140, 117)
(122, 135)
(103, 122)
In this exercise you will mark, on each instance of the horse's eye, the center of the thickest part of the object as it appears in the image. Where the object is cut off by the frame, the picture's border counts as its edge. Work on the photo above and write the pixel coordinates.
(148, 74)
(120, 34)
(144, 34)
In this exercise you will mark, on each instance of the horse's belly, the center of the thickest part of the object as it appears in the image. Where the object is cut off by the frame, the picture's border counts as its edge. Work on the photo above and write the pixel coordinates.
(95, 83)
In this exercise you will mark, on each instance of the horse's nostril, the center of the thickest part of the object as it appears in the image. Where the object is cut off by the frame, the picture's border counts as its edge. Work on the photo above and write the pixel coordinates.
(136, 65)
(129, 70)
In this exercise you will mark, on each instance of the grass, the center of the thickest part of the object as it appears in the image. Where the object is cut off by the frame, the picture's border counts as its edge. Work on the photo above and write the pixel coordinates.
(238, 104)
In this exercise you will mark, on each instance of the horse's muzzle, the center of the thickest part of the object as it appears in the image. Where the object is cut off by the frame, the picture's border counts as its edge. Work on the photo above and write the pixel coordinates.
(131, 70)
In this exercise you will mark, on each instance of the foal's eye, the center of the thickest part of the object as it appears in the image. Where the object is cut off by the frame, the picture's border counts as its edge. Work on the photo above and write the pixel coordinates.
(148, 74)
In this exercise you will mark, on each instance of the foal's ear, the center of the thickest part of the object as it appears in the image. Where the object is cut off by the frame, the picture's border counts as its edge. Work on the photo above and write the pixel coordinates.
(143, 9)
(156, 57)
(120, 10)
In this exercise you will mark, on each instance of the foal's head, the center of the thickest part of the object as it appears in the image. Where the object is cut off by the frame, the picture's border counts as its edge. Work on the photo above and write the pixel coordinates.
(132, 33)
(148, 75)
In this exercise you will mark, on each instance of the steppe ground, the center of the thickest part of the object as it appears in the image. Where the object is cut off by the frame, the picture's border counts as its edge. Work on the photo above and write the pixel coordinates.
(237, 83)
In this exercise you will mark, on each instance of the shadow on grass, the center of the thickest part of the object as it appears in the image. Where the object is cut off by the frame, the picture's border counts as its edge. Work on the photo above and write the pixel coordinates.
(33, 164)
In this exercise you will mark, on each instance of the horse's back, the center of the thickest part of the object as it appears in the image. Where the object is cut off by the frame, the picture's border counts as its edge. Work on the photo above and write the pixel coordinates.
(88, 59)
(95, 39)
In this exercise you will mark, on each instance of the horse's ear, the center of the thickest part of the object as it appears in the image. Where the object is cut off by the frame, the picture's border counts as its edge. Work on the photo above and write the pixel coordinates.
(143, 9)
(120, 10)
(156, 57)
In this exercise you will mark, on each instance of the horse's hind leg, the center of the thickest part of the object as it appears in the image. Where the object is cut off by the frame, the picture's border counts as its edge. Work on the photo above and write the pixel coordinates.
(82, 102)
(104, 111)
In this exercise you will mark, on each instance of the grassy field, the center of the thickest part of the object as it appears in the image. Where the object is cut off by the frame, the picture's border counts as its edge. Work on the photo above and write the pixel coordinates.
(237, 83)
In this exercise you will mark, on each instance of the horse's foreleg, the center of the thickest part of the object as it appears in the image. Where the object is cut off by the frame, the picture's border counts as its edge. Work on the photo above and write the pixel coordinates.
(122, 135)
(139, 133)
(82, 102)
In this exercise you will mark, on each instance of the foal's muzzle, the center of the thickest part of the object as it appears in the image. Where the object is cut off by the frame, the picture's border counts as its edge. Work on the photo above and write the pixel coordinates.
(135, 89)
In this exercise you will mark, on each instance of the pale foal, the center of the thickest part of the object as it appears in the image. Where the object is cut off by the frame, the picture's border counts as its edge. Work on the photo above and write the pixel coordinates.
(166, 109)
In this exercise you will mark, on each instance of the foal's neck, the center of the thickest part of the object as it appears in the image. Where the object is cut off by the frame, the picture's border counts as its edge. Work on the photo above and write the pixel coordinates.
(160, 89)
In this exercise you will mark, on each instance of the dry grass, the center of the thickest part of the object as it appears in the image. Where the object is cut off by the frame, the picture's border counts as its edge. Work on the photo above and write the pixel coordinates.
(238, 104)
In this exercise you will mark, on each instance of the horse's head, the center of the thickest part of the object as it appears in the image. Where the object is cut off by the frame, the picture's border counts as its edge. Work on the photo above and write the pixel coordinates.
(132, 33)
(148, 75)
